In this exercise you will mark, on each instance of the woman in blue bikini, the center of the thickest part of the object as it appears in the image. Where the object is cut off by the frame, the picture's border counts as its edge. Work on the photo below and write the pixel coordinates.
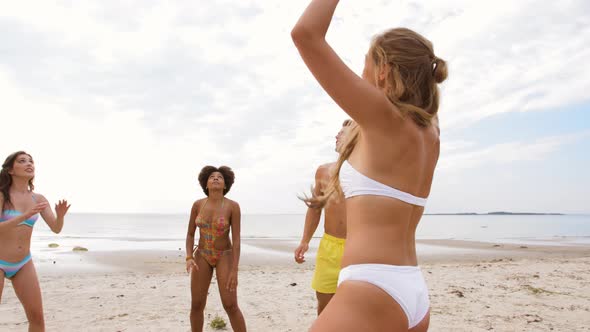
(20, 210)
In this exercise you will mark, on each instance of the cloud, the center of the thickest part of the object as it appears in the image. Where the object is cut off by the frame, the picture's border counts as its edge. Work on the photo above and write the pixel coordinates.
(458, 156)
(144, 93)
(507, 57)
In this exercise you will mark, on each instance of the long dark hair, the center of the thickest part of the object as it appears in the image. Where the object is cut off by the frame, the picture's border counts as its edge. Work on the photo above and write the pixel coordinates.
(6, 178)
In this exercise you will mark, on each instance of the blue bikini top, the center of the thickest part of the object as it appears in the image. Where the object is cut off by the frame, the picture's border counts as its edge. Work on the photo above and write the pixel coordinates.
(9, 214)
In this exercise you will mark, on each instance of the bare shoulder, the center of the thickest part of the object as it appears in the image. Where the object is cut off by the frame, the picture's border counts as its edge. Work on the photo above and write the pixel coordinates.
(323, 172)
(233, 204)
(433, 133)
(234, 207)
(198, 203)
(40, 198)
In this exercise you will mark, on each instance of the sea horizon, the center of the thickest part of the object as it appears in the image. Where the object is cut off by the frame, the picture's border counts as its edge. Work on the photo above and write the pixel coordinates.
(152, 231)
(303, 213)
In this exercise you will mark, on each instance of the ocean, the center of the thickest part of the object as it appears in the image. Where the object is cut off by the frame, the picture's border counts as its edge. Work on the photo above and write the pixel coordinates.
(111, 232)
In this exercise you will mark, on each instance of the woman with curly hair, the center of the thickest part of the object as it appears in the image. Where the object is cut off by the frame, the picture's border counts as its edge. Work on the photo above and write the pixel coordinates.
(20, 211)
(215, 216)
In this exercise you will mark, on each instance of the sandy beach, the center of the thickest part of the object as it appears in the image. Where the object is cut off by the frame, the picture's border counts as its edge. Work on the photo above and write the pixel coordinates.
(474, 286)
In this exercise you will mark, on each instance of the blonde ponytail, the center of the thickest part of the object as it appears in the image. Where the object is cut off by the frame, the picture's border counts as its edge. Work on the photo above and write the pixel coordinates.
(319, 201)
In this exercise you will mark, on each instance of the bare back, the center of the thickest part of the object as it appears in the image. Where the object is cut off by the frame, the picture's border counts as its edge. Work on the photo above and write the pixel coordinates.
(397, 87)
(392, 148)
(382, 229)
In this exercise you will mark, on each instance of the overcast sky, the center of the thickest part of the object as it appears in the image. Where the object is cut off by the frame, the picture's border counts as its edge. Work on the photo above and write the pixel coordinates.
(121, 103)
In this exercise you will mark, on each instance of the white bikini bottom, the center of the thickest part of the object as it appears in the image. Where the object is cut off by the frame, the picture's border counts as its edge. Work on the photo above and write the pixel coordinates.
(405, 284)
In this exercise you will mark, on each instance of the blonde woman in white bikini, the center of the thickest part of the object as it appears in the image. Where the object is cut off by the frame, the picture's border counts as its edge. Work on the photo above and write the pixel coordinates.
(385, 171)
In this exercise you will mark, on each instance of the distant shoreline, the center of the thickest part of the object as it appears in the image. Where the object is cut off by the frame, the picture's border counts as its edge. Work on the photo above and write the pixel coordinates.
(303, 213)
(499, 213)
(258, 252)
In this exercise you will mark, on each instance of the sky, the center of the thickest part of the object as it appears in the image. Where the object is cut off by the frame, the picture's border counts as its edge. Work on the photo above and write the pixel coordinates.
(121, 103)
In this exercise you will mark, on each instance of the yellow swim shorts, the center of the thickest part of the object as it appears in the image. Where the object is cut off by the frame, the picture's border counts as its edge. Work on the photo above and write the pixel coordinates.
(327, 265)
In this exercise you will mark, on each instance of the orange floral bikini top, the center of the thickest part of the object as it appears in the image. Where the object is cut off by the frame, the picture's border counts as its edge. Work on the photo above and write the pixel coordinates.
(210, 231)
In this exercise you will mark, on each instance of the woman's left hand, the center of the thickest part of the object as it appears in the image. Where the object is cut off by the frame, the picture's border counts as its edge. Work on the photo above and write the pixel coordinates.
(232, 282)
(61, 208)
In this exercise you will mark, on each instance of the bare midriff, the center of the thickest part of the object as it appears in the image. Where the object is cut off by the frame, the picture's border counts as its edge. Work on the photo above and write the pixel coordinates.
(15, 243)
(381, 230)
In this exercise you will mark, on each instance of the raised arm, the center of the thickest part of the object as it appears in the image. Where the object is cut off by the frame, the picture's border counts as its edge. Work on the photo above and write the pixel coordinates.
(236, 219)
(312, 218)
(54, 221)
(365, 103)
(190, 238)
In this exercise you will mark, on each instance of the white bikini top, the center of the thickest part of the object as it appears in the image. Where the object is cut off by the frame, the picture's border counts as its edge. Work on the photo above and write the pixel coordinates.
(354, 183)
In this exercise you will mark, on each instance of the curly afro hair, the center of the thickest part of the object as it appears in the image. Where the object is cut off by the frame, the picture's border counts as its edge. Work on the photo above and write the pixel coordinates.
(226, 172)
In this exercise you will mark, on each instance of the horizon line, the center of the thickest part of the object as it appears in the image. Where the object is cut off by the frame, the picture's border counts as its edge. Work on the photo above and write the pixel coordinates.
(303, 213)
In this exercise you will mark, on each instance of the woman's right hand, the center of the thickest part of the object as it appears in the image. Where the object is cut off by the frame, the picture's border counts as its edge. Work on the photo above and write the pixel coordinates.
(190, 265)
(37, 208)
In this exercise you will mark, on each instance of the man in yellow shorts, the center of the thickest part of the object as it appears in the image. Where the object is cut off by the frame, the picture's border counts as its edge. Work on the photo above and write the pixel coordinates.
(329, 256)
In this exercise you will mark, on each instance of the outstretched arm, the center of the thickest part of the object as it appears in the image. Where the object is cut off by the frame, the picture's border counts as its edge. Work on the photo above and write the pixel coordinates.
(54, 221)
(365, 103)
(312, 220)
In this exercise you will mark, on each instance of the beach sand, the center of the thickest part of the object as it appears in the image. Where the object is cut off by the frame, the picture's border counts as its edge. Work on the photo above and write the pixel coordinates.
(473, 287)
